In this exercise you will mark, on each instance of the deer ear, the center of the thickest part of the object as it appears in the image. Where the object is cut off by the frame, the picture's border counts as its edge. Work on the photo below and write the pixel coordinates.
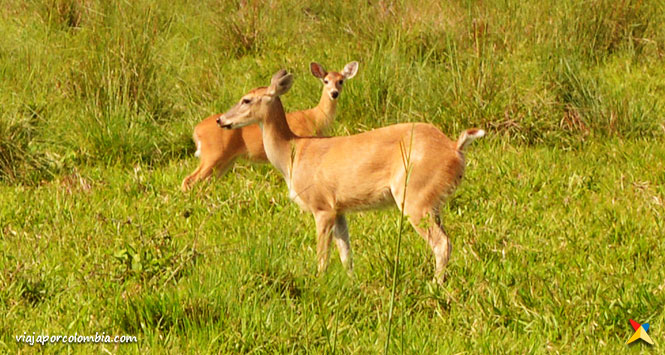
(278, 75)
(280, 83)
(317, 70)
(350, 70)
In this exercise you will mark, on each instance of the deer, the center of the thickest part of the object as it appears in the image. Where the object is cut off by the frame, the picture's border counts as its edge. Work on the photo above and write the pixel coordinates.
(217, 149)
(330, 176)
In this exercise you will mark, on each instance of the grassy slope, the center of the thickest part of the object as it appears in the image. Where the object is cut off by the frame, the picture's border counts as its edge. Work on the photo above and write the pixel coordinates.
(561, 209)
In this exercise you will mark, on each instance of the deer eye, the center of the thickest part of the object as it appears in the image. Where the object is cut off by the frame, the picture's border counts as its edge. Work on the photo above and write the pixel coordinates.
(246, 101)
(325, 81)
(341, 82)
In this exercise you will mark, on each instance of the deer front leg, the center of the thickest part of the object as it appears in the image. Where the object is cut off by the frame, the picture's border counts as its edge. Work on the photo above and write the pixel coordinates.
(325, 222)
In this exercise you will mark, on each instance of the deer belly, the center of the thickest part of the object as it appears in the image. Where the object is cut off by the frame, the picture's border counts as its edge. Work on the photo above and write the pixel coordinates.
(375, 199)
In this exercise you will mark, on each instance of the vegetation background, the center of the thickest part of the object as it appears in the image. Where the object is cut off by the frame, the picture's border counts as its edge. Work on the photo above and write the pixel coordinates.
(557, 230)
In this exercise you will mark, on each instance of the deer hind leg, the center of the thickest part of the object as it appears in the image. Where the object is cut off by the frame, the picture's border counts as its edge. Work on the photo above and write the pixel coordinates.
(210, 161)
(427, 224)
(190, 179)
(224, 165)
(341, 236)
(423, 197)
(201, 172)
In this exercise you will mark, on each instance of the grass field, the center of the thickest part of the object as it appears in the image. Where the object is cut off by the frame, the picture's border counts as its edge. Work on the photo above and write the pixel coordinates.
(557, 229)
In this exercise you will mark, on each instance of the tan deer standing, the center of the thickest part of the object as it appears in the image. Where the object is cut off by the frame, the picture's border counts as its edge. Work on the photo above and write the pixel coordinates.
(217, 148)
(329, 176)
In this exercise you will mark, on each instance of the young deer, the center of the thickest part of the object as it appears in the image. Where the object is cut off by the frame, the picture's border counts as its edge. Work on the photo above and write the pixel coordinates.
(329, 176)
(217, 148)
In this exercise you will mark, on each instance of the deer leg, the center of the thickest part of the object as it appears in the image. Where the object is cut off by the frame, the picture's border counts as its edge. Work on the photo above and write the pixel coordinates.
(428, 226)
(341, 236)
(325, 222)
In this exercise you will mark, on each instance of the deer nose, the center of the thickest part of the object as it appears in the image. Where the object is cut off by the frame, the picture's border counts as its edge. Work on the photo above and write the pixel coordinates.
(334, 94)
(221, 124)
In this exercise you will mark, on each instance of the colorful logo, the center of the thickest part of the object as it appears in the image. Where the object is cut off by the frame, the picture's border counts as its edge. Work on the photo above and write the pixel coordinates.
(640, 332)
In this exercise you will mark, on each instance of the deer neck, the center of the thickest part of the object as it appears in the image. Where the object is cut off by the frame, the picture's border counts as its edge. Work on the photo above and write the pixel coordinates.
(278, 138)
(326, 110)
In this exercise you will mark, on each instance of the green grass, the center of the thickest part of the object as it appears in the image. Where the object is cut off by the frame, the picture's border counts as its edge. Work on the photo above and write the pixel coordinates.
(556, 229)
(553, 250)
